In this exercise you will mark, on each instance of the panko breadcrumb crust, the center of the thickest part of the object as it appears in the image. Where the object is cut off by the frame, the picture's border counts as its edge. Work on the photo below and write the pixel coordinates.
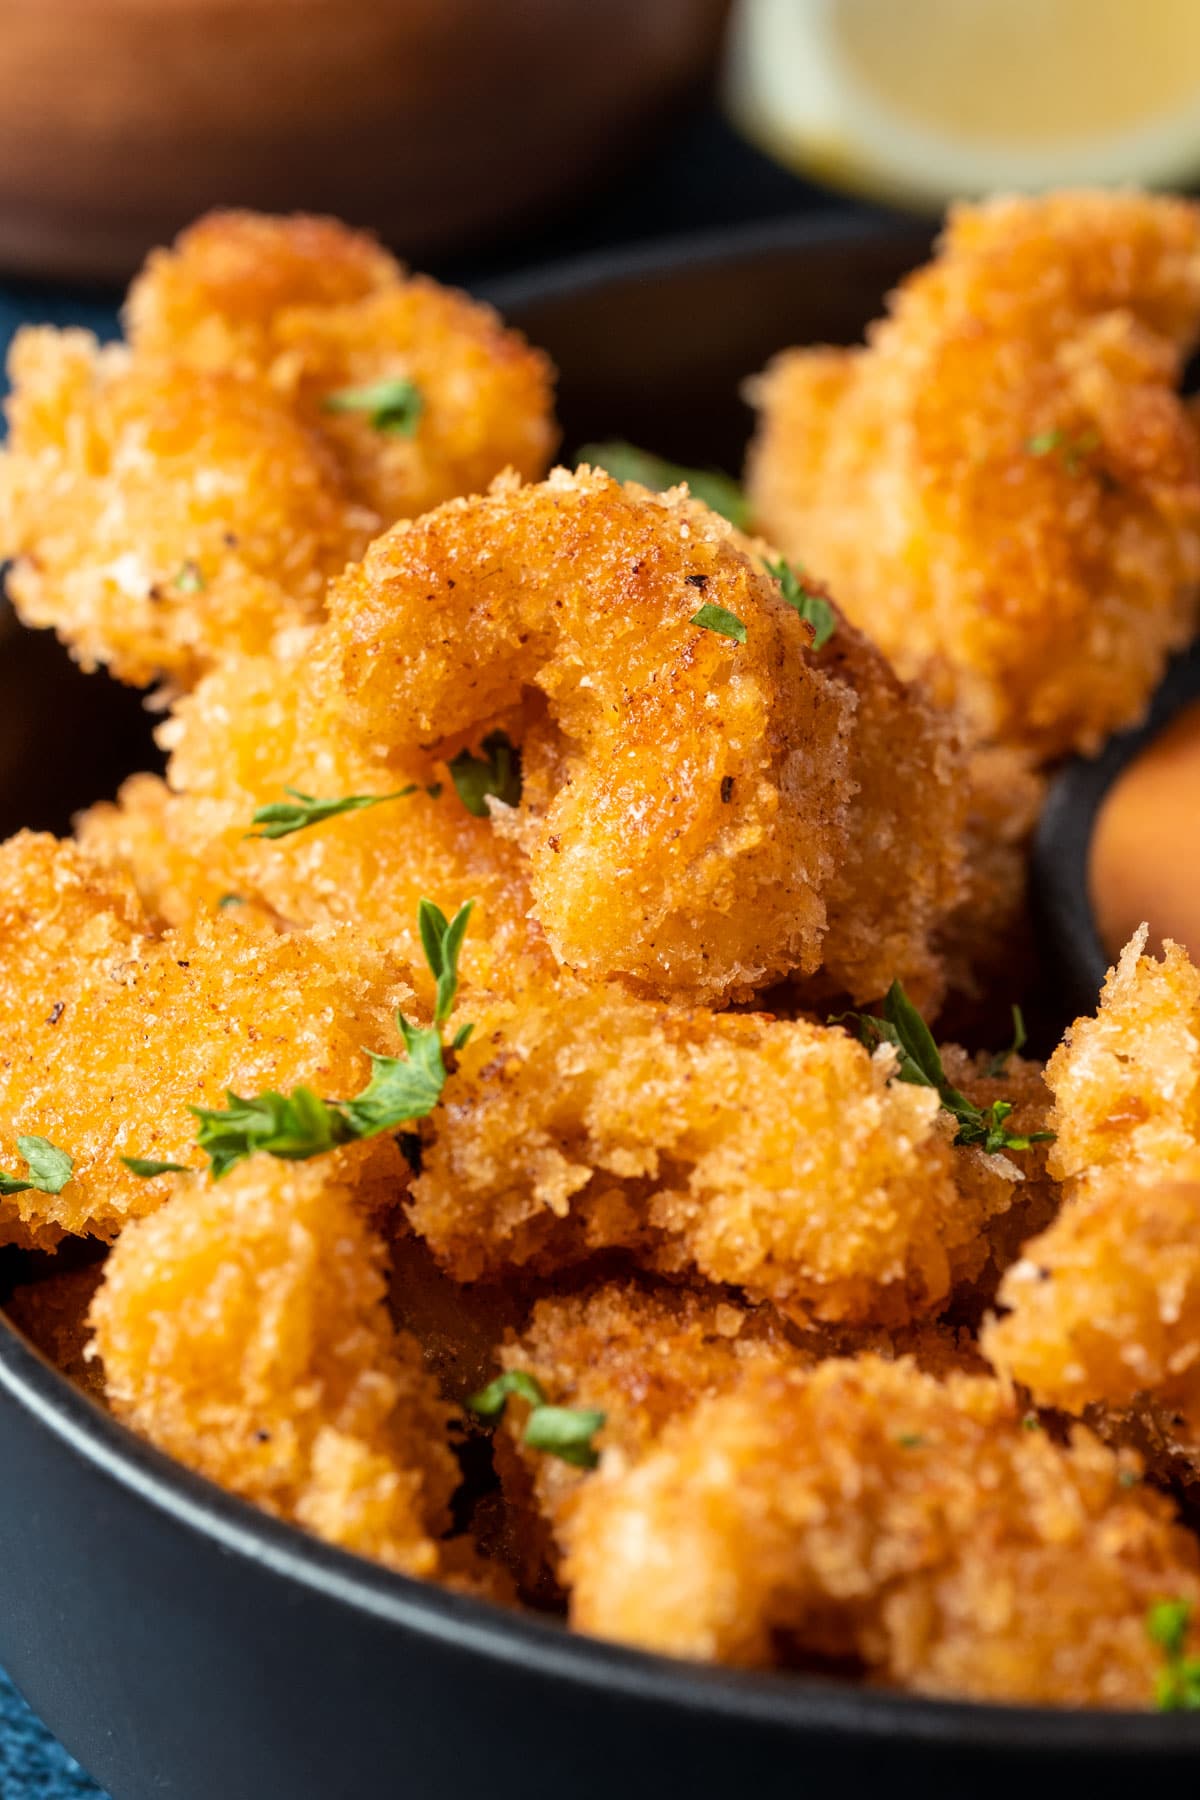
(1003, 488)
(190, 491)
(868, 1511)
(845, 1364)
(243, 1328)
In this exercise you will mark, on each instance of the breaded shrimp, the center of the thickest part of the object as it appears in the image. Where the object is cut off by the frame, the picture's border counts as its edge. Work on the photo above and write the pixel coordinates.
(1105, 1305)
(111, 1034)
(774, 1155)
(242, 736)
(863, 1509)
(192, 491)
(642, 1355)
(690, 818)
(1126, 1084)
(1003, 487)
(243, 1330)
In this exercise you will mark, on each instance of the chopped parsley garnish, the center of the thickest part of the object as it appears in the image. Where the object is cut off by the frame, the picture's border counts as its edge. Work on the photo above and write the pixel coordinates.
(715, 618)
(999, 1063)
(920, 1062)
(392, 406)
(1074, 449)
(281, 817)
(1177, 1687)
(48, 1169)
(910, 1440)
(228, 900)
(190, 579)
(562, 1431)
(146, 1167)
(625, 462)
(298, 1125)
(814, 609)
(496, 771)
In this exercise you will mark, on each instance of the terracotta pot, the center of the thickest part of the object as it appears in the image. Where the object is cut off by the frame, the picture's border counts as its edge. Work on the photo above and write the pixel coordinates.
(437, 122)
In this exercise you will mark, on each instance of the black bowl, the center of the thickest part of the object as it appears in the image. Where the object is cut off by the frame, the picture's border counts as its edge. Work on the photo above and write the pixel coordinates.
(184, 1645)
(1067, 930)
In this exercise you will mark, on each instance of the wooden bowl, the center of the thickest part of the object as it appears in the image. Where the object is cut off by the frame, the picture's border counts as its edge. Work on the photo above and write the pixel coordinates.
(437, 122)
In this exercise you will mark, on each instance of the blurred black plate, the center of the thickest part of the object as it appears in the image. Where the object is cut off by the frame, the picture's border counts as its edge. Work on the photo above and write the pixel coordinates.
(183, 1644)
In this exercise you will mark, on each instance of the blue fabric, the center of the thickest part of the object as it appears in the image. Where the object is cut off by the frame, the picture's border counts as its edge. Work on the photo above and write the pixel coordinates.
(32, 1765)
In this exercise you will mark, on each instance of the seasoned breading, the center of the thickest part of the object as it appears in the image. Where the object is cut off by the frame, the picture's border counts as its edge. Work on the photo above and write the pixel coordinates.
(246, 733)
(192, 493)
(642, 1355)
(772, 1154)
(111, 1034)
(1003, 488)
(863, 1509)
(1104, 1306)
(243, 1330)
(708, 783)
(1126, 1084)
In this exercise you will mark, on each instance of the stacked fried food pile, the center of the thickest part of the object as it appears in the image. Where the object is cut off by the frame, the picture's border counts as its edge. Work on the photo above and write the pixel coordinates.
(512, 1010)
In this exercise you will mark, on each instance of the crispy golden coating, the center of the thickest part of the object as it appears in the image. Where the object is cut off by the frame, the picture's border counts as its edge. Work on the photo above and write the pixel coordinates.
(243, 1330)
(711, 785)
(642, 1355)
(192, 492)
(52, 1311)
(865, 1509)
(1105, 1305)
(1003, 488)
(111, 1034)
(775, 1155)
(243, 735)
(1126, 1084)
(903, 874)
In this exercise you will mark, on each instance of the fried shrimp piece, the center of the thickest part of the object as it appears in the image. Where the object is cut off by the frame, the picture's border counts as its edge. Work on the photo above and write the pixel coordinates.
(688, 816)
(774, 1155)
(1003, 487)
(111, 1034)
(903, 874)
(193, 490)
(243, 1329)
(865, 1509)
(317, 309)
(642, 1355)
(1126, 1084)
(1104, 1307)
(158, 515)
(244, 735)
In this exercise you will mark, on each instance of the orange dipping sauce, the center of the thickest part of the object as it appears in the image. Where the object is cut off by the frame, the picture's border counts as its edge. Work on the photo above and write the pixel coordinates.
(1145, 856)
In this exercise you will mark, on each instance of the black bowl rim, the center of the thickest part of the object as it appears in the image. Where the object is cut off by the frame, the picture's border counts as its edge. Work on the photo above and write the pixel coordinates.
(799, 1704)
(1063, 841)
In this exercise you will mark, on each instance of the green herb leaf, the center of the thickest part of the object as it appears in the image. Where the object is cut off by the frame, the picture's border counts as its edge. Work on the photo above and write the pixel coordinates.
(999, 1063)
(294, 1126)
(147, 1167)
(497, 771)
(1177, 1688)
(814, 609)
(562, 1431)
(920, 1062)
(565, 1432)
(910, 1440)
(491, 1401)
(190, 579)
(228, 900)
(48, 1168)
(715, 618)
(402, 1088)
(1074, 449)
(392, 406)
(282, 817)
(624, 462)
